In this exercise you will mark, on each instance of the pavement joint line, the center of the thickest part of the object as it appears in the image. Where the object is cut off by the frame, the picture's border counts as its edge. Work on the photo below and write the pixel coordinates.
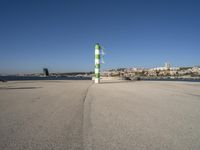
(86, 93)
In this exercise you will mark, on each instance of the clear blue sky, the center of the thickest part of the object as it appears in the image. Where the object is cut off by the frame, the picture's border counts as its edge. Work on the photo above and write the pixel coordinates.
(61, 34)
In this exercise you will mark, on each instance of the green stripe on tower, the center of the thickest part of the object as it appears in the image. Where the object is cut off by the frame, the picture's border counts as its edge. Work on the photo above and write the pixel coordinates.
(97, 56)
(97, 75)
(97, 66)
(97, 46)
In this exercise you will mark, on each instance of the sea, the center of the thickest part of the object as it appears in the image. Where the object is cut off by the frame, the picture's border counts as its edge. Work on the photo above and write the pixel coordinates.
(19, 78)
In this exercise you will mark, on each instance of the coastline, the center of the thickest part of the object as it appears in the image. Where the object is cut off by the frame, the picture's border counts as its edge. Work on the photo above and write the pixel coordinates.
(27, 78)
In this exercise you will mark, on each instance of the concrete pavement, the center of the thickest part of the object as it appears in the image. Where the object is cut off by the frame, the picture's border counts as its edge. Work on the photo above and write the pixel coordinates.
(143, 115)
(113, 115)
(38, 115)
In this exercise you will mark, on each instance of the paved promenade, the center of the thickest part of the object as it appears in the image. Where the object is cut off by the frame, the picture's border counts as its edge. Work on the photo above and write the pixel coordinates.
(80, 115)
(42, 115)
(143, 115)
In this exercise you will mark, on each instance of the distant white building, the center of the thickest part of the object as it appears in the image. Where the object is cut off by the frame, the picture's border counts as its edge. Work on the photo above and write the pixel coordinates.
(167, 66)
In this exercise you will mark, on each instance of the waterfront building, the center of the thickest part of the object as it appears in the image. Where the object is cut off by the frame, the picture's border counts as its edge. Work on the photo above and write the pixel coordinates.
(46, 72)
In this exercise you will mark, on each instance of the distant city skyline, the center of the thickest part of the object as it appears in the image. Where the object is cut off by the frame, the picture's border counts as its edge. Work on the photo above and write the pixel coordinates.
(61, 35)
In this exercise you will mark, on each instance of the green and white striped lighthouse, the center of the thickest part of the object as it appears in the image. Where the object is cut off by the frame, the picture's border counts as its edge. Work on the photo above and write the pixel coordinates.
(97, 63)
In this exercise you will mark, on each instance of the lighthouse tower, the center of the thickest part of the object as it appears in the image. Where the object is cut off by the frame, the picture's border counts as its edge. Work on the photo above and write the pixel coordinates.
(97, 63)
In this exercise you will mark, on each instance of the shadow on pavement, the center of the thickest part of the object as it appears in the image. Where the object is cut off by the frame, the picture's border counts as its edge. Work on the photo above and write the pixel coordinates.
(18, 88)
